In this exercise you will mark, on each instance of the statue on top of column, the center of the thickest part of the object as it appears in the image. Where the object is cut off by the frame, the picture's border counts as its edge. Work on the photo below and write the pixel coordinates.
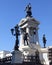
(28, 10)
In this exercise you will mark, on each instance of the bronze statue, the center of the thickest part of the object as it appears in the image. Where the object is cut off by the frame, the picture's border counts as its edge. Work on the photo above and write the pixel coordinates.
(28, 10)
(16, 30)
(44, 40)
(25, 38)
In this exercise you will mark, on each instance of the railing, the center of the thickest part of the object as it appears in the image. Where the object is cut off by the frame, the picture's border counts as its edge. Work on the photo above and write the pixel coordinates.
(29, 58)
(6, 60)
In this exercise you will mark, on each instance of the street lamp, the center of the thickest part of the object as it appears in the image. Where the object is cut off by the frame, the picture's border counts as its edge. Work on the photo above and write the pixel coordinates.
(15, 32)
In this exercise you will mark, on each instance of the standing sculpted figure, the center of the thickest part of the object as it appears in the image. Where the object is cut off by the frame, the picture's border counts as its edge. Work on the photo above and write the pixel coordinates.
(26, 38)
(44, 40)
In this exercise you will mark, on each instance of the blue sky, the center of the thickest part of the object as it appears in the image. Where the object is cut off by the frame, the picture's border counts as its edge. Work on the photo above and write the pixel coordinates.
(12, 11)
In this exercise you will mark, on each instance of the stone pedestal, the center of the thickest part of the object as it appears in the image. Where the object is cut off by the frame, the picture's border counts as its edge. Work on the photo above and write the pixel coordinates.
(29, 25)
(17, 57)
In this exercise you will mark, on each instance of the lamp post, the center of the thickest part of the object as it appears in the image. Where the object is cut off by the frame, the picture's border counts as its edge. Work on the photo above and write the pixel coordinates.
(15, 32)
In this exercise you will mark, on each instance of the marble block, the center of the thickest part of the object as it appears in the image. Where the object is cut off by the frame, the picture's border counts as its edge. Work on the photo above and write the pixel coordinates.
(17, 57)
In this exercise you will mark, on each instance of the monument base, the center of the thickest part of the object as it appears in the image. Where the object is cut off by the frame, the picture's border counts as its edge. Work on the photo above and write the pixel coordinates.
(17, 57)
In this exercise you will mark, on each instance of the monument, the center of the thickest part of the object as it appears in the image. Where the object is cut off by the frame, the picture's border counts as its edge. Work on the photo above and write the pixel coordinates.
(28, 49)
(30, 26)
(29, 39)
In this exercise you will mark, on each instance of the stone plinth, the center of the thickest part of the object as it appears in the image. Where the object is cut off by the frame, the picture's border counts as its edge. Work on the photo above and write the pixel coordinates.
(30, 26)
(17, 57)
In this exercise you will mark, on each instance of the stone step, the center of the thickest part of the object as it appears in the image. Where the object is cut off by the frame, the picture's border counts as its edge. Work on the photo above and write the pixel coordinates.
(24, 63)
